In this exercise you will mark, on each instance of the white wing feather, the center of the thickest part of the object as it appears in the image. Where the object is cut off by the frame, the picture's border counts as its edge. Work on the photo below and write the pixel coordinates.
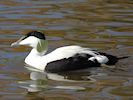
(68, 51)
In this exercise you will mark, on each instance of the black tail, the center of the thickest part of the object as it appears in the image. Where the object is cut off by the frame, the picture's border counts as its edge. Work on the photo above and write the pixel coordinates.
(113, 59)
(119, 58)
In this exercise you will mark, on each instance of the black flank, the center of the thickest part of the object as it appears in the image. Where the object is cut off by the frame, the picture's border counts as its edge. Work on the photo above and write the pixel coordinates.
(79, 61)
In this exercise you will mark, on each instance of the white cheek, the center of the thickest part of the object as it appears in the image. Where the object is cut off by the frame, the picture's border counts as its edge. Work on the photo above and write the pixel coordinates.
(30, 41)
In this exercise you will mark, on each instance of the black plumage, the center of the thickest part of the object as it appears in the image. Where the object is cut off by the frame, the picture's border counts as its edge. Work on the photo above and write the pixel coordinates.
(36, 34)
(78, 61)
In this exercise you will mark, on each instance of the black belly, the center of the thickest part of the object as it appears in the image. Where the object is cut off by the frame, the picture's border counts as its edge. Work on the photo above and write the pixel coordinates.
(79, 61)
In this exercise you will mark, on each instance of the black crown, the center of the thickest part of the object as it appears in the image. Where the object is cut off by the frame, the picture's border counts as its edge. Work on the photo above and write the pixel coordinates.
(37, 34)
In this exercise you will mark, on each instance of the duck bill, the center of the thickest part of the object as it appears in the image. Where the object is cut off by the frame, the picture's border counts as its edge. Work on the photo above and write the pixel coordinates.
(17, 42)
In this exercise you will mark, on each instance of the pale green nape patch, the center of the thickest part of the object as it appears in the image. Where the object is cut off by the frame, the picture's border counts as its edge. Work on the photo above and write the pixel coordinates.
(42, 46)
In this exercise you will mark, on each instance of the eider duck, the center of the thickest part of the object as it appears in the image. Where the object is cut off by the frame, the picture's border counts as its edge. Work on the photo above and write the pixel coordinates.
(67, 58)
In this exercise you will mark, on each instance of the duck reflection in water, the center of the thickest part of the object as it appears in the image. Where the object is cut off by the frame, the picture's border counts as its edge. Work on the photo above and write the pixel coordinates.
(39, 80)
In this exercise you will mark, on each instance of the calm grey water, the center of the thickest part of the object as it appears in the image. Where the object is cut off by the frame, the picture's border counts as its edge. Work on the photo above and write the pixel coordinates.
(106, 25)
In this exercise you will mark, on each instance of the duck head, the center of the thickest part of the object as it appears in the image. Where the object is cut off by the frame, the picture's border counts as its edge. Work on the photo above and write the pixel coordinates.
(34, 39)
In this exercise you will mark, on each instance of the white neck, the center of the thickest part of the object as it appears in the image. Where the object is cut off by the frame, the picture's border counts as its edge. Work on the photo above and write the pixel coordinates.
(35, 53)
(35, 58)
(40, 49)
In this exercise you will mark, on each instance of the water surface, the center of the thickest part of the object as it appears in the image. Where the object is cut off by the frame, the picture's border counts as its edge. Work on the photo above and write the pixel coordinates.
(101, 24)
